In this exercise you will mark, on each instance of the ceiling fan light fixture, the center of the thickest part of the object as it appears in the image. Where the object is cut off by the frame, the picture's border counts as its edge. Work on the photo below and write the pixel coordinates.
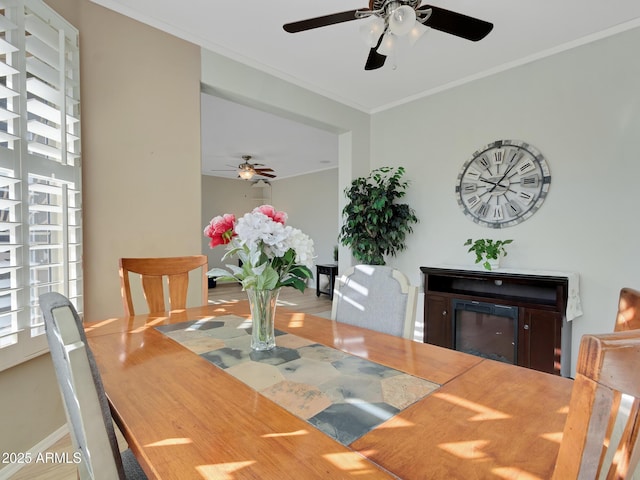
(245, 174)
(416, 33)
(402, 20)
(372, 30)
(387, 44)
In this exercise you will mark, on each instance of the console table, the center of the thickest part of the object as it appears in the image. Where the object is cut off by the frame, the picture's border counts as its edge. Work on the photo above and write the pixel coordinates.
(331, 271)
(535, 303)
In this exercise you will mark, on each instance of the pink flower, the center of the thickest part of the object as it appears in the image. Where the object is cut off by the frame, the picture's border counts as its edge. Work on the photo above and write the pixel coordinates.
(220, 229)
(269, 211)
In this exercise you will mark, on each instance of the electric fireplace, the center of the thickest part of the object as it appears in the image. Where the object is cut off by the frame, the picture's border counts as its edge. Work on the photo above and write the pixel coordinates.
(486, 330)
(517, 317)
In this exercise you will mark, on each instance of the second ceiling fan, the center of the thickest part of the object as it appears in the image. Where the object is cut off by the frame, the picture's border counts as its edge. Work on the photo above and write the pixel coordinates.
(397, 18)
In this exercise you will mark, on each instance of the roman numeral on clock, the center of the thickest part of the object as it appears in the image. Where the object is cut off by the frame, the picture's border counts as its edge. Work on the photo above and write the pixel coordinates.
(527, 197)
(473, 201)
(513, 208)
(483, 210)
(532, 181)
(525, 167)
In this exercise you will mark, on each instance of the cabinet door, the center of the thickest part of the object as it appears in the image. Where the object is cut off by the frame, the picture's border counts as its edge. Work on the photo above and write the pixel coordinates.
(539, 344)
(437, 321)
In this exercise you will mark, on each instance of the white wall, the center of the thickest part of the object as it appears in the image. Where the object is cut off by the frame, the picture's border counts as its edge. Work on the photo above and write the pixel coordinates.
(581, 109)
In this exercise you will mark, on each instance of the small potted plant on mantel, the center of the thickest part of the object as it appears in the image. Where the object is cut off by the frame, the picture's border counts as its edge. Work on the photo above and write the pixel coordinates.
(488, 251)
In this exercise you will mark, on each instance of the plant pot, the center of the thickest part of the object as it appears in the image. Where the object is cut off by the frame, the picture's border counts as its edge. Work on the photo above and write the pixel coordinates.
(494, 263)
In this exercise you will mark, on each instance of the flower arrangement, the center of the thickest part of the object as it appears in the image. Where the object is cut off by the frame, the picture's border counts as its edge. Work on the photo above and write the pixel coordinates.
(273, 255)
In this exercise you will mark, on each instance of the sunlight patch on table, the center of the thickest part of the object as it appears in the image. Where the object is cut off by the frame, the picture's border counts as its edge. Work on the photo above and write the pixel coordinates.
(170, 441)
(222, 471)
(483, 413)
(513, 472)
(350, 462)
(296, 321)
(96, 325)
(297, 433)
(555, 437)
(469, 450)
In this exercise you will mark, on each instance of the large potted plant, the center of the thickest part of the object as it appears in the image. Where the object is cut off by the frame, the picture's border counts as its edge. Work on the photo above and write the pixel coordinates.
(375, 224)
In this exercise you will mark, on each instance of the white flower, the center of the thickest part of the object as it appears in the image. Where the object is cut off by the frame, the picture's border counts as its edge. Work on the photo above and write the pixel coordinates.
(303, 245)
(261, 234)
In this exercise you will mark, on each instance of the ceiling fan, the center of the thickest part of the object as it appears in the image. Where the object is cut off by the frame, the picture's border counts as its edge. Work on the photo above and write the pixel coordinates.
(247, 170)
(398, 18)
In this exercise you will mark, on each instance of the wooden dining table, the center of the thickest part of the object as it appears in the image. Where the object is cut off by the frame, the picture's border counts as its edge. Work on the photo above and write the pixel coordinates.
(184, 417)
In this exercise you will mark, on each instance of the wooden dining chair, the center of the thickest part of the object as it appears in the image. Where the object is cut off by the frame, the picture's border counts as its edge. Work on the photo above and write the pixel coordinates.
(628, 317)
(153, 272)
(376, 297)
(84, 400)
(607, 366)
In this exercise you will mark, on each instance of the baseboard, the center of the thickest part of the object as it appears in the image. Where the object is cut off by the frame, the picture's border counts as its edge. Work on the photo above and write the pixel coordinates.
(11, 469)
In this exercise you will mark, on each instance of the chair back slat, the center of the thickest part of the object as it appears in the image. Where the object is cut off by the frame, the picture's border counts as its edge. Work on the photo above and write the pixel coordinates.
(154, 272)
(376, 297)
(607, 371)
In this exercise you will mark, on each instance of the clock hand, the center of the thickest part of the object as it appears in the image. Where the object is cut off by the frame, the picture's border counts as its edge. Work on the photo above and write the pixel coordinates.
(513, 164)
(488, 181)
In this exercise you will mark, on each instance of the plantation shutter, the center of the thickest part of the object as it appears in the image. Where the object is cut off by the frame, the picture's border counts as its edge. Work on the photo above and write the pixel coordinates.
(40, 176)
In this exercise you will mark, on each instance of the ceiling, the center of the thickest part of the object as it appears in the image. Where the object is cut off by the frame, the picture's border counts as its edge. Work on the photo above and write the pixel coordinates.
(329, 60)
(231, 130)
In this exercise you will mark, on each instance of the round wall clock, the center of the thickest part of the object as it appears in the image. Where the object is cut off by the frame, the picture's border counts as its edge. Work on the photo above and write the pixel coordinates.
(503, 183)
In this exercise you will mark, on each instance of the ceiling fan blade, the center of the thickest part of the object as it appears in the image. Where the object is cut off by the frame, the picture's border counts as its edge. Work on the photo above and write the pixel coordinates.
(323, 21)
(269, 175)
(457, 24)
(263, 169)
(375, 60)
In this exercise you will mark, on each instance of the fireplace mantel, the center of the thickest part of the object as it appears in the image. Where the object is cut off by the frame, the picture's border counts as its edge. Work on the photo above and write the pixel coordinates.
(546, 302)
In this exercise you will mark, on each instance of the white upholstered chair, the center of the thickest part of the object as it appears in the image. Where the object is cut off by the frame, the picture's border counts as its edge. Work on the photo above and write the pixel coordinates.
(85, 402)
(376, 297)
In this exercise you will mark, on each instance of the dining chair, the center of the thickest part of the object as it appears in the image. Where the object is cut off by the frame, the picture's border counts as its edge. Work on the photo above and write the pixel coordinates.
(628, 317)
(607, 366)
(376, 297)
(85, 403)
(153, 272)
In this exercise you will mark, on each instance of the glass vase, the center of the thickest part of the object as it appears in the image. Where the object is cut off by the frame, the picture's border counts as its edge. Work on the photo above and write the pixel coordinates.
(263, 312)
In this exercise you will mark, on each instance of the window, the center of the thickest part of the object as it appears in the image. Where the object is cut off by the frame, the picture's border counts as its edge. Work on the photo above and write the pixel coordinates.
(40, 177)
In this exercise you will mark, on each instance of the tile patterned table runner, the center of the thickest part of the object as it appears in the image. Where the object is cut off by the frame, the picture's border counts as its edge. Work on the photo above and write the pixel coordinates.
(342, 395)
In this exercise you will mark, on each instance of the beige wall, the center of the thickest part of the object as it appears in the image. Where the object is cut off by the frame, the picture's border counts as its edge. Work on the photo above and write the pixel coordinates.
(140, 94)
(30, 406)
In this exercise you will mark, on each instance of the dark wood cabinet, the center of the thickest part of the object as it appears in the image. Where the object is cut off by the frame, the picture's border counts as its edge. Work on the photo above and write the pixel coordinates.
(541, 335)
(438, 310)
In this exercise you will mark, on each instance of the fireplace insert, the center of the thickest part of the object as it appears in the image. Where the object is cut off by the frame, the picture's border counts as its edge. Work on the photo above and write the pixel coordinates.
(486, 330)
